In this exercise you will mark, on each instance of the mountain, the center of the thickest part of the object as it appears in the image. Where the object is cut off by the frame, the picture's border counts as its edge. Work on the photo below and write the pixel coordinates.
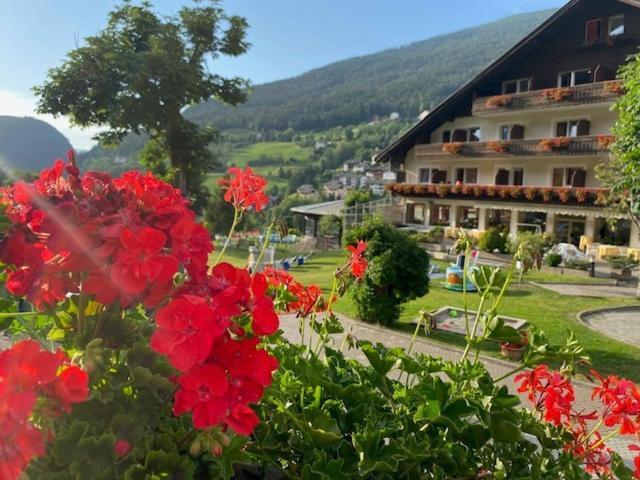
(406, 80)
(29, 144)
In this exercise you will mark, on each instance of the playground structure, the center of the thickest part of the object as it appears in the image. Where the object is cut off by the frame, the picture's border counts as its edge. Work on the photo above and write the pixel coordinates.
(455, 273)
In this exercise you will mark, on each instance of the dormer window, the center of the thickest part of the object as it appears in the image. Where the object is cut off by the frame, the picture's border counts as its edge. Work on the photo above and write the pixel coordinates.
(516, 86)
(575, 77)
(593, 30)
(616, 25)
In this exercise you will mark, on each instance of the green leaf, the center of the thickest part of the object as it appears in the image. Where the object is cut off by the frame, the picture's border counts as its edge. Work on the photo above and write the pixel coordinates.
(427, 411)
(503, 430)
(379, 357)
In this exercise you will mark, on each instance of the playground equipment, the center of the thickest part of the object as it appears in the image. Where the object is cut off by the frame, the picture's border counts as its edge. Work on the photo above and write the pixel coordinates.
(454, 278)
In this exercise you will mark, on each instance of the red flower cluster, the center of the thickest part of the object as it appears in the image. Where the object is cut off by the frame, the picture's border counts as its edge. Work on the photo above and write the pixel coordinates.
(297, 298)
(28, 374)
(357, 262)
(222, 367)
(117, 239)
(244, 189)
(123, 241)
(552, 394)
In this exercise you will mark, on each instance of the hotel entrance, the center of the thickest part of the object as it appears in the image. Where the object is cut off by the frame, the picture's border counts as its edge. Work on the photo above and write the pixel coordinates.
(570, 229)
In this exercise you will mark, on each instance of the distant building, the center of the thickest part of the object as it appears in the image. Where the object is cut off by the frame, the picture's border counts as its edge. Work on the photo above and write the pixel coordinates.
(334, 189)
(307, 190)
(376, 187)
(517, 146)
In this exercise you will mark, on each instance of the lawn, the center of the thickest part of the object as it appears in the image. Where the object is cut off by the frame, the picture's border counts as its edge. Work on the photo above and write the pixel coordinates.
(243, 155)
(553, 313)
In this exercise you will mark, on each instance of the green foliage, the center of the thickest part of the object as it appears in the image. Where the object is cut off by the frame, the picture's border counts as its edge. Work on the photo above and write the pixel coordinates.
(621, 262)
(433, 235)
(328, 417)
(493, 239)
(140, 71)
(357, 196)
(621, 172)
(330, 225)
(406, 80)
(577, 264)
(538, 242)
(397, 272)
(553, 259)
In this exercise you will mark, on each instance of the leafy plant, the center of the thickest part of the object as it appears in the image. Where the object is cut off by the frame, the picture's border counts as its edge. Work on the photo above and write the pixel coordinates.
(398, 271)
(577, 264)
(493, 239)
(553, 259)
(621, 262)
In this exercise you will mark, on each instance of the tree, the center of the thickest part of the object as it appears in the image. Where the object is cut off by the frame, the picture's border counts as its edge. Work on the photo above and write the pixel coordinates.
(357, 196)
(398, 271)
(140, 72)
(621, 173)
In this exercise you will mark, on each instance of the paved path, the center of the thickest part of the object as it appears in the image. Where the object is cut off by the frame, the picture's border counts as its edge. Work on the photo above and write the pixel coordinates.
(392, 338)
(622, 323)
(586, 290)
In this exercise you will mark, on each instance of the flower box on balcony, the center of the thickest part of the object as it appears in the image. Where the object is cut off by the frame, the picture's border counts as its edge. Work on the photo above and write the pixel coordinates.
(613, 86)
(452, 148)
(557, 94)
(498, 101)
(499, 146)
(551, 144)
(563, 194)
(605, 141)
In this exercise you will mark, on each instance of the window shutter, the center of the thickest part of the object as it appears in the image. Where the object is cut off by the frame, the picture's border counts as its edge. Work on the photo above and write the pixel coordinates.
(460, 175)
(446, 136)
(561, 129)
(502, 177)
(459, 136)
(410, 211)
(558, 177)
(439, 176)
(583, 127)
(579, 178)
(517, 132)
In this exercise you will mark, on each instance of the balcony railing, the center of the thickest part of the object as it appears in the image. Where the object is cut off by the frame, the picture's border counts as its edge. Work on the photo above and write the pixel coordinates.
(585, 145)
(549, 98)
(586, 197)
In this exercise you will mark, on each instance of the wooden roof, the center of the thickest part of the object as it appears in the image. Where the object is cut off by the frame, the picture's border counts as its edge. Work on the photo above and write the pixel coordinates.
(444, 111)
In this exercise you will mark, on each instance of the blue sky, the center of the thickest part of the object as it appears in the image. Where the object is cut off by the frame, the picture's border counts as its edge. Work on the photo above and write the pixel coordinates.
(288, 36)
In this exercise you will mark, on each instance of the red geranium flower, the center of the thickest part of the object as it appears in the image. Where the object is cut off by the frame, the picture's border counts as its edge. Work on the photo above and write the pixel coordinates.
(202, 392)
(121, 447)
(357, 262)
(242, 419)
(187, 327)
(71, 386)
(244, 189)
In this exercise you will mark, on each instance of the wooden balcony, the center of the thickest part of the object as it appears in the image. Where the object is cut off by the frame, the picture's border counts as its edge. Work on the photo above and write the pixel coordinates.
(550, 98)
(574, 196)
(551, 147)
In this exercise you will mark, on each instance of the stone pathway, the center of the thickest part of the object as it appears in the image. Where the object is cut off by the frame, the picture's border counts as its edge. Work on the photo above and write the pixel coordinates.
(621, 323)
(589, 290)
(392, 338)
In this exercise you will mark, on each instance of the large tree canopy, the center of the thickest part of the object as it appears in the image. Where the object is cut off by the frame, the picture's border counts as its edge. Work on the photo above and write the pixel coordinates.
(142, 70)
(622, 172)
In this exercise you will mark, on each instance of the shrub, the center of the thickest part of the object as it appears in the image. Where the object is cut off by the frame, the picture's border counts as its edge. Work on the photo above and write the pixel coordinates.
(553, 259)
(492, 239)
(434, 235)
(357, 196)
(398, 271)
(539, 242)
(577, 264)
(621, 262)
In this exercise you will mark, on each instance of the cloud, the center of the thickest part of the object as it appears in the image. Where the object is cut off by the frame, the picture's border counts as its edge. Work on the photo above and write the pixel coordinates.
(23, 105)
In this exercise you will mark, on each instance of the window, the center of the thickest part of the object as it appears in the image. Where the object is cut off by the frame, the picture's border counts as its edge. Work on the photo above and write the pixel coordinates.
(575, 77)
(470, 134)
(516, 86)
(469, 217)
(593, 30)
(572, 128)
(512, 176)
(439, 215)
(511, 132)
(569, 177)
(432, 175)
(446, 136)
(415, 213)
(616, 25)
(467, 175)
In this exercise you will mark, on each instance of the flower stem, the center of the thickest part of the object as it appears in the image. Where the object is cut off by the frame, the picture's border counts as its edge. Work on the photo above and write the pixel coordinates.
(234, 224)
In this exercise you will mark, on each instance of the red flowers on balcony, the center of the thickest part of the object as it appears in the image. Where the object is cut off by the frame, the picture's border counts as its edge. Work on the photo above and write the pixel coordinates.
(563, 195)
(552, 144)
(499, 146)
(605, 141)
(452, 148)
(613, 86)
(557, 94)
(498, 101)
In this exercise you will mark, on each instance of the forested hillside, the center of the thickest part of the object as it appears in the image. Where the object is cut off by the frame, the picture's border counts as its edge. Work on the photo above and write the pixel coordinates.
(406, 80)
(29, 144)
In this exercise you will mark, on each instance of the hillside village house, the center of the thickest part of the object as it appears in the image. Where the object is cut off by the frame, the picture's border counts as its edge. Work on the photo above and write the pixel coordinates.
(518, 144)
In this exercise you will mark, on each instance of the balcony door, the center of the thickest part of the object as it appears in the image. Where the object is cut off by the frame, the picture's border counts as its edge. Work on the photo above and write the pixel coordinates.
(570, 229)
